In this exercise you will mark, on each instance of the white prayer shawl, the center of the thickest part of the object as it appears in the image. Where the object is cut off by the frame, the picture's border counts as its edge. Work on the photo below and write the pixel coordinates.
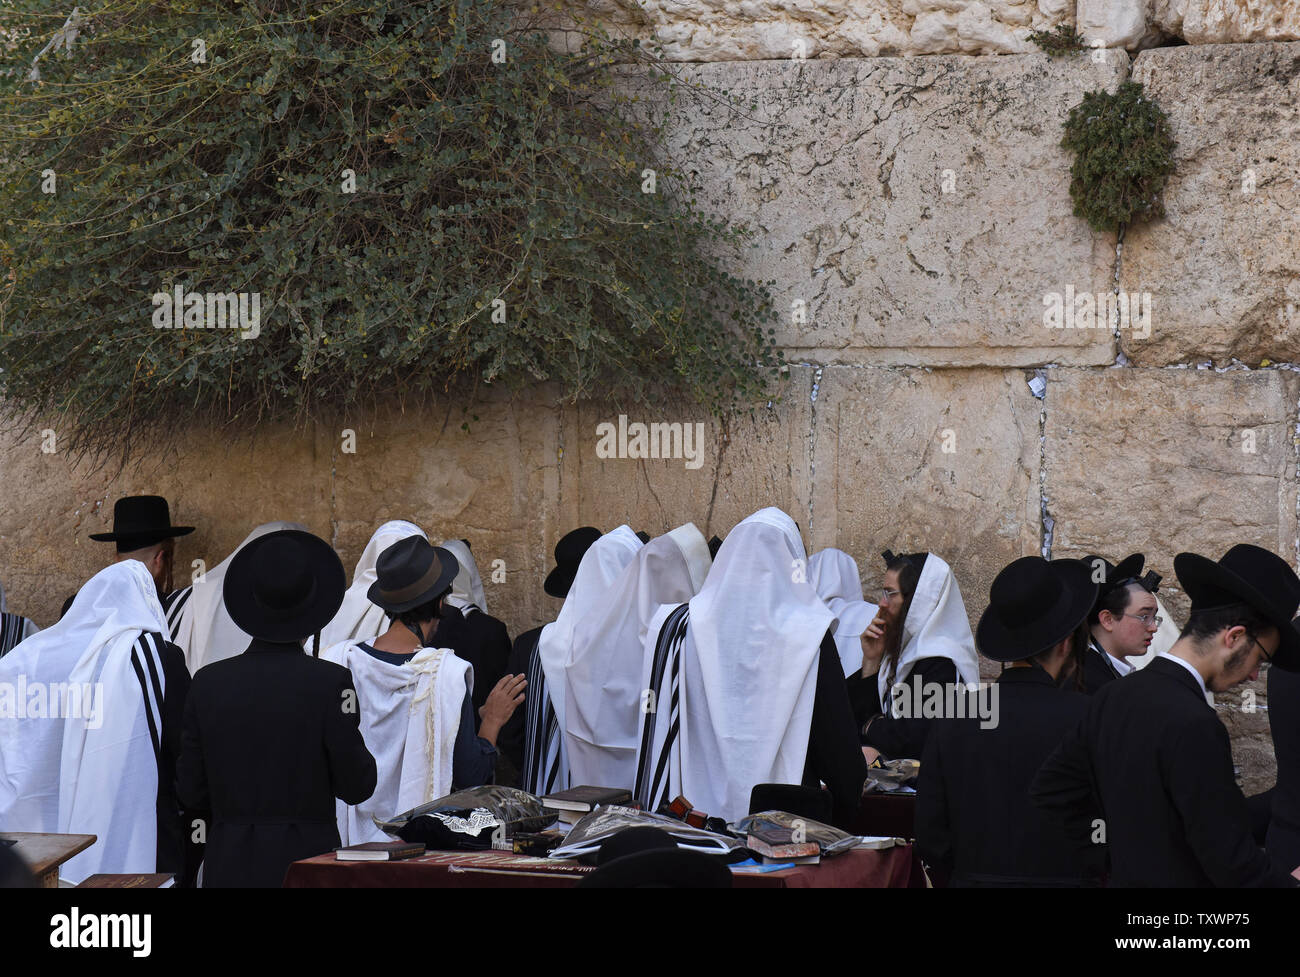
(738, 682)
(604, 672)
(410, 715)
(467, 588)
(358, 619)
(936, 627)
(601, 565)
(834, 575)
(89, 767)
(204, 630)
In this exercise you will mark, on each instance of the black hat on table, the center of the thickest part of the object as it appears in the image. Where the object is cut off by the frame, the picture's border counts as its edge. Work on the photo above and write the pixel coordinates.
(1248, 575)
(140, 521)
(284, 586)
(569, 552)
(411, 572)
(1033, 604)
(649, 858)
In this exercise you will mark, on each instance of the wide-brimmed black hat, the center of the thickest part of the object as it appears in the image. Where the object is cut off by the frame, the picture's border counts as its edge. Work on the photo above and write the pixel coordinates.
(1248, 575)
(655, 865)
(1114, 574)
(140, 521)
(569, 552)
(411, 572)
(1033, 604)
(284, 586)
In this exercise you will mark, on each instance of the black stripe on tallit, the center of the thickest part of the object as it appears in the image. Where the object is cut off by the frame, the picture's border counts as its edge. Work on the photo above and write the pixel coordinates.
(174, 604)
(534, 721)
(154, 640)
(661, 785)
(140, 651)
(673, 624)
(11, 631)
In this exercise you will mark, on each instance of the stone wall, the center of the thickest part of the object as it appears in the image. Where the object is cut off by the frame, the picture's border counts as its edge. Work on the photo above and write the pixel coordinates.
(915, 213)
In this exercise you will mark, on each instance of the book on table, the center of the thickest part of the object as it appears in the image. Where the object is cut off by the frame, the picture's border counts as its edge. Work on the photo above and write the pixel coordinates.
(140, 880)
(379, 851)
(778, 842)
(581, 800)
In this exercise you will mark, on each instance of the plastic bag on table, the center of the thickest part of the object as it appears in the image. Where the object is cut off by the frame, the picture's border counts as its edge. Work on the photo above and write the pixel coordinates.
(469, 818)
(831, 840)
(893, 777)
(606, 821)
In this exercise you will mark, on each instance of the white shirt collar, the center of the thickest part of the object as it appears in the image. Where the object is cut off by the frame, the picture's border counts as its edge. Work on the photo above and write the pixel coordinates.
(1187, 665)
(1120, 665)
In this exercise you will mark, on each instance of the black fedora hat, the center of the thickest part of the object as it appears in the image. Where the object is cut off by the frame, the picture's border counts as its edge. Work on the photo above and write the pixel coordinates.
(1248, 575)
(411, 572)
(1033, 604)
(1114, 574)
(660, 868)
(569, 552)
(140, 521)
(284, 586)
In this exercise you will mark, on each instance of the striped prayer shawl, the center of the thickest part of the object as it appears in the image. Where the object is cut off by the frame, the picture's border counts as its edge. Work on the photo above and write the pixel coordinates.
(13, 629)
(174, 604)
(541, 733)
(146, 662)
(659, 735)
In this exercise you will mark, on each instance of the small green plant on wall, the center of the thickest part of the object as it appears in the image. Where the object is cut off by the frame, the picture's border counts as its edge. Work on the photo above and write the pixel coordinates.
(1123, 154)
(1064, 39)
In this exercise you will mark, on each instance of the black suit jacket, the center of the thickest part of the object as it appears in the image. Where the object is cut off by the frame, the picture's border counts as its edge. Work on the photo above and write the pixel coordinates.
(479, 639)
(511, 739)
(1098, 669)
(1153, 761)
(1284, 723)
(272, 737)
(974, 818)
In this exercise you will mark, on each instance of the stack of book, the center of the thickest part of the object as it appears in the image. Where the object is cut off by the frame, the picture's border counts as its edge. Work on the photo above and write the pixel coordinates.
(574, 803)
(774, 843)
(379, 851)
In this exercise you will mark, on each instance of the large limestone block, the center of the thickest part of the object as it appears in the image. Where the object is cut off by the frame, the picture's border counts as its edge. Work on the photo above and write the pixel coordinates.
(945, 461)
(1115, 23)
(222, 485)
(1228, 21)
(1161, 461)
(910, 212)
(487, 472)
(748, 30)
(740, 465)
(1223, 266)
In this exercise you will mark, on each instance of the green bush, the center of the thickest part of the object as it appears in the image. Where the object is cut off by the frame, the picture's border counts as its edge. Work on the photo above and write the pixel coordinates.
(475, 181)
(1064, 39)
(1123, 154)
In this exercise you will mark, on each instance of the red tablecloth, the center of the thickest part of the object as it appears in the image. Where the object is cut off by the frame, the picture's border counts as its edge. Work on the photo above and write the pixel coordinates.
(858, 869)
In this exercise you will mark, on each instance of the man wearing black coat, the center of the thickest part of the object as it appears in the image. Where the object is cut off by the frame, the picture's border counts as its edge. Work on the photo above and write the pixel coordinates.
(1150, 764)
(273, 736)
(974, 819)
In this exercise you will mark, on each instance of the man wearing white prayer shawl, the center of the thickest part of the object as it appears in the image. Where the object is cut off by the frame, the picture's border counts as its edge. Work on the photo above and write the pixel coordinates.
(358, 618)
(603, 672)
(203, 629)
(417, 717)
(88, 745)
(546, 765)
(13, 627)
(834, 575)
(746, 685)
(465, 626)
(926, 643)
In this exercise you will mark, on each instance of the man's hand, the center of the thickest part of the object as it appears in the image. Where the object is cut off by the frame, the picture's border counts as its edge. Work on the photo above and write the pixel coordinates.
(873, 646)
(501, 703)
(871, 754)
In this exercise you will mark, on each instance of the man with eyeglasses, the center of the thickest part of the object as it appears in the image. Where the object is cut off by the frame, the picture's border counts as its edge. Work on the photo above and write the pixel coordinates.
(1148, 771)
(1122, 622)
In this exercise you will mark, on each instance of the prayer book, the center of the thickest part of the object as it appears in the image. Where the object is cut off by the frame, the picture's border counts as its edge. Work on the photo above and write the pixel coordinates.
(584, 799)
(774, 841)
(379, 851)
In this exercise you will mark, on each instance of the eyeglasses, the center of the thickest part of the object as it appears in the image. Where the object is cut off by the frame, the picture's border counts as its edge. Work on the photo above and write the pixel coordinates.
(1264, 654)
(888, 594)
(1147, 619)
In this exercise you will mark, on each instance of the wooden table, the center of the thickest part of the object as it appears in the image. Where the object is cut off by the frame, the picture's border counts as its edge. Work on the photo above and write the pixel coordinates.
(44, 853)
(860, 868)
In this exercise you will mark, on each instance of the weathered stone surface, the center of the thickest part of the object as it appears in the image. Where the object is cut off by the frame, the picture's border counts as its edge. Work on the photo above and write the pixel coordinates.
(1159, 461)
(746, 463)
(883, 479)
(751, 30)
(49, 505)
(1227, 21)
(842, 168)
(1223, 265)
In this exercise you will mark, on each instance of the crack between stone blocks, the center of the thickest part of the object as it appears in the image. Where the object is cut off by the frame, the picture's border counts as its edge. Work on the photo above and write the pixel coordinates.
(334, 472)
(812, 443)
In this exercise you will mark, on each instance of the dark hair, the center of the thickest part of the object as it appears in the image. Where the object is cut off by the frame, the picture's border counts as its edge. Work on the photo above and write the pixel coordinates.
(909, 568)
(1071, 676)
(1204, 624)
(429, 609)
